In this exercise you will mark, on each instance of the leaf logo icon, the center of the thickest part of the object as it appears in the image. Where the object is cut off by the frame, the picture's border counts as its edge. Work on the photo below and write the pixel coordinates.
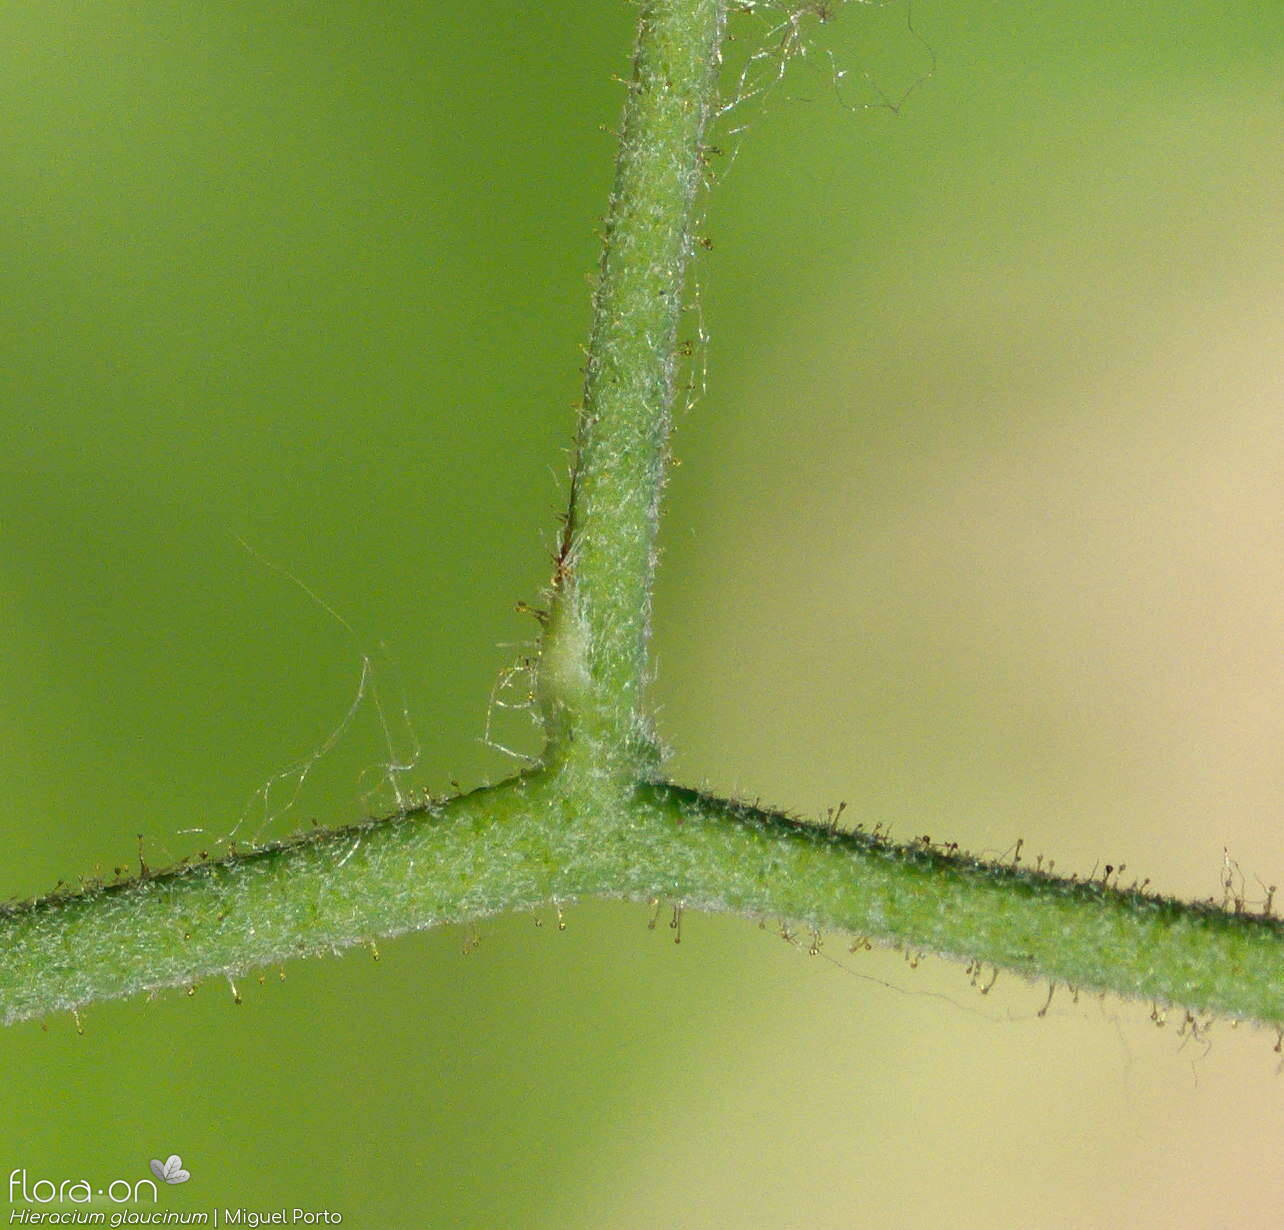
(170, 1170)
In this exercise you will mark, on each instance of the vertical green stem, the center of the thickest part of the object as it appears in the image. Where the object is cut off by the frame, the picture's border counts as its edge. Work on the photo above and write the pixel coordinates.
(593, 669)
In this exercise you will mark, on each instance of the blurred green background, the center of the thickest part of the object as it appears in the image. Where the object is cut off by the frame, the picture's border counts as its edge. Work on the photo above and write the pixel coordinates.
(977, 528)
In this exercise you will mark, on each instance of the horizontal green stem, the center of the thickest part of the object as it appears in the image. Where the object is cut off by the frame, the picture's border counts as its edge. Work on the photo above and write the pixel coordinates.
(324, 891)
(721, 855)
(536, 838)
